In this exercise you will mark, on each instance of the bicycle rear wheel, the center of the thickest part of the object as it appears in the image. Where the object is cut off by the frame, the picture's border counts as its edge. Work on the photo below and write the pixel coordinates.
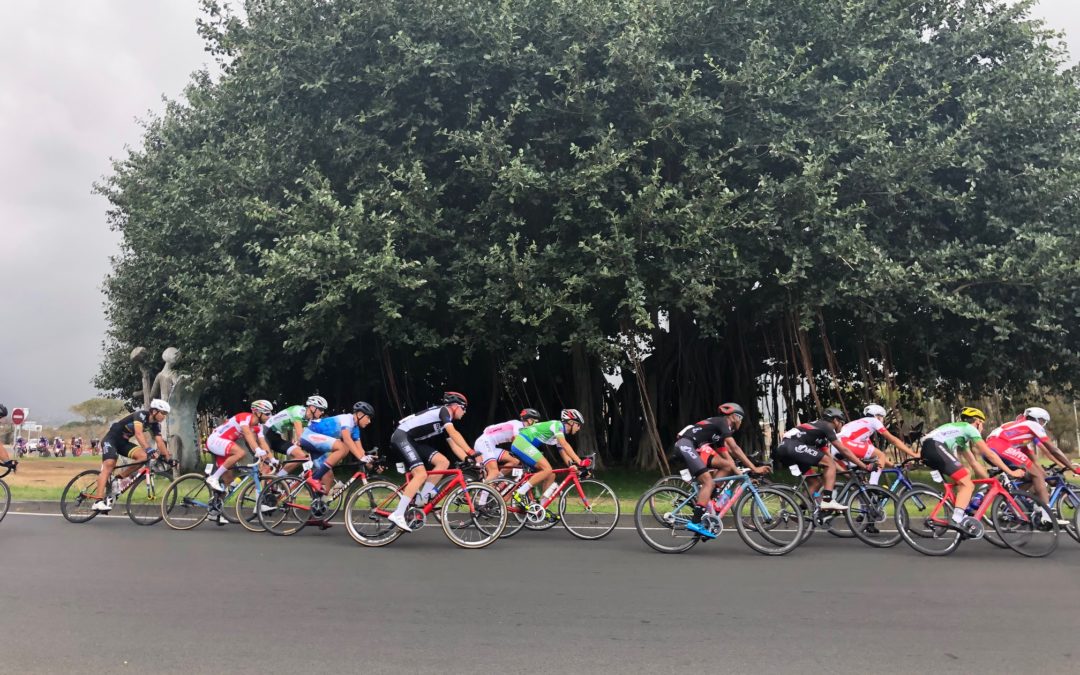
(806, 509)
(660, 518)
(189, 500)
(474, 516)
(1023, 528)
(770, 521)
(592, 513)
(293, 500)
(248, 500)
(145, 499)
(922, 520)
(5, 499)
(79, 497)
(366, 514)
(871, 516)
(1068, 508)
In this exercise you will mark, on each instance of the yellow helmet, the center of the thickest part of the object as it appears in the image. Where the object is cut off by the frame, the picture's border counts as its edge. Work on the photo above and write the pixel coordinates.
(973, 412)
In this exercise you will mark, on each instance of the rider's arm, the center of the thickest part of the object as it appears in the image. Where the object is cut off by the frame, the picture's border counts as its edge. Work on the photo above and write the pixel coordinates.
(297, 431)
(734, 449)
(968, 458)
(140, 435)
(457, 443)
(849, 454)
(355, 446)
(567, 452)
(897, 443)
(994, 459)
(1056, 455)
(253, 440)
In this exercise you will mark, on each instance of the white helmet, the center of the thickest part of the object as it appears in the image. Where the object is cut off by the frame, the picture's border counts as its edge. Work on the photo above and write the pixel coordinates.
(158, 404)
(874, 410)
(262, 406)
(1038, 414)
(317, 401)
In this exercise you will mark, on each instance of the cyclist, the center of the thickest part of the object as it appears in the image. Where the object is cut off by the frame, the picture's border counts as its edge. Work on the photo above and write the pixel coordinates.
(238, 435)
(5, 458)
(145, 427)
(526, 448)
(409, 439)
(1009, 442)
(859, 436)
(487, 445)
(805, 445)
(283, 429)
(706, 448)
(334, 437)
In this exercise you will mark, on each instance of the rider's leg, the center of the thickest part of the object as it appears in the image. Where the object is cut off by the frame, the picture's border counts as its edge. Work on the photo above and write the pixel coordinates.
(107, 467)
(438, 462)
(136, 454)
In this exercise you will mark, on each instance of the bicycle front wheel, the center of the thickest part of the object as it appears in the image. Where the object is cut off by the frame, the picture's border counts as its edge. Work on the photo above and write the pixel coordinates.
(145, 500)
(1023, 528)
(292, 501)
(660, 519)
(515, 515)
(922, 520)
(592, 512)
(1068, 508)
(5, 499)
(188, 500)
(367, 511)
(79, 496)
(474, 516)
(248, 501)
(871, 516)
(769, 521)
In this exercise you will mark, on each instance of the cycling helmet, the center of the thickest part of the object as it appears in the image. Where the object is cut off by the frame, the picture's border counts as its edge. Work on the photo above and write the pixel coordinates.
(571, 415)
(973, 413)
(529, 414)
(451, 397)
(317, 401)
(874, 410)
(3, 410)
(364, 407)
(731, 409)
(158, 404)
(1038, 414)
(262, 406)
(833, 414)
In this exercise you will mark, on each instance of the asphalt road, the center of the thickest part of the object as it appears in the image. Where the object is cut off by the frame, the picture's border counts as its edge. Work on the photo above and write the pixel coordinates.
(111, 597)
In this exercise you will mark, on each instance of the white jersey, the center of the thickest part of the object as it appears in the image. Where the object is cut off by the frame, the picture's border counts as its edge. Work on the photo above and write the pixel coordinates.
(504, 432)
(860, 431)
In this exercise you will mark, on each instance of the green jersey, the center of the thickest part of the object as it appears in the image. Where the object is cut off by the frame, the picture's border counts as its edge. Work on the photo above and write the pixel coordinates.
(547, 433)
(956, 435)
(281, 422)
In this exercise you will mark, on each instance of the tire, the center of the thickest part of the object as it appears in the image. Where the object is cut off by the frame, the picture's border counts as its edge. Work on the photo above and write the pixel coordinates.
(366, 514)
(871, 516)
(776, 529)
(660, 518)
(5, 499)
(805, 508)
(295, 502)
(675, 481)
(246, 503)
(593, 517)
(1029, 535)
(515, 517)
(921, 517)
(79, 497)
(1068, 508)
(145, 498)
(837, 524)
(189, 499)
(474, 516)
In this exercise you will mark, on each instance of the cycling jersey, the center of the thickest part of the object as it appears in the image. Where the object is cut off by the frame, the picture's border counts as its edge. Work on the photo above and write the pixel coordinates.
(939, 447)
(333, 426)
(543, 433)
(859, 436)
(487, 445)
(711, 431)
(814, 434)
(426, 423)
(956, 435)
(121, 431)
(1017, 434)
(282, 421)
(230, 430)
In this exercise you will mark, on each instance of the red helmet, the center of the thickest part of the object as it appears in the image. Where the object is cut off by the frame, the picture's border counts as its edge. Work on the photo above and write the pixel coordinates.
(451, 397)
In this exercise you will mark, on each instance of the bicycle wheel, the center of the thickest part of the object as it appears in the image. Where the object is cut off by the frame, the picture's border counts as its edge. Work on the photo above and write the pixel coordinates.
(1068, 508)
(292, 500)
(1026, 530)
(769, 522)
(189, 499)
(837, 524)
(145, 498)
(253, 495)
(366, 514)
(474, 516)
(515, 515)
(921, 518)
(870, 516)
(79, 497)
(805, 508)
(5, 499)
(675, 481)
(660, 518)
(591, 513)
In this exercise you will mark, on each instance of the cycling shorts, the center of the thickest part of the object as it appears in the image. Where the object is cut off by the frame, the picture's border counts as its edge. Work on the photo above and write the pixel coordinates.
(276, 442)
(413, 453)
(316, 444)
(936, 456)
(487, 450)
(1012, 455)
(792, 452)
(525, 451)
(222, 447)
(112, 448)
(684, 449)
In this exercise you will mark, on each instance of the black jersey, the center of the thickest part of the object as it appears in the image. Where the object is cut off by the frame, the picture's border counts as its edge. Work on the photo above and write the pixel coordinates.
(815, 434)
(124, 429)
(711, 431)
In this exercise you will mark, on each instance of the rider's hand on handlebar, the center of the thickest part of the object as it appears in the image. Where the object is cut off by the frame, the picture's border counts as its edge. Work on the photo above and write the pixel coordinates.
(761, 470)
(1016, 473)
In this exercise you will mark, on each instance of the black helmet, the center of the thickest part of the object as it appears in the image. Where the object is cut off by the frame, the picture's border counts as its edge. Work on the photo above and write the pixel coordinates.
(451, 397)
(3, 411)
(731, 409)
(364, 407)
(529, 414)
(833, 414)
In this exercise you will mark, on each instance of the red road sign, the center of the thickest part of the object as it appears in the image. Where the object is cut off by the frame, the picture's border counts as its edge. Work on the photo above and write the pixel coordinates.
(18, 415)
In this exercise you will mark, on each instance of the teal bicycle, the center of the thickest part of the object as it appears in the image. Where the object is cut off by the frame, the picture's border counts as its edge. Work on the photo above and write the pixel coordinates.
(191, 501)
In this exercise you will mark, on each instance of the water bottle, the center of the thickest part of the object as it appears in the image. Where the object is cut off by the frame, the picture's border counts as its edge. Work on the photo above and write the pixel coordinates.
(722, 500)
(974, 505)
(338, 487)
(551, 489)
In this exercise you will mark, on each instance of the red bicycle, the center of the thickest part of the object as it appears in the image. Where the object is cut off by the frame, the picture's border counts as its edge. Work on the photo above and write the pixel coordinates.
(473, 515)
(923, 519)
(587, 508)
(289, 503)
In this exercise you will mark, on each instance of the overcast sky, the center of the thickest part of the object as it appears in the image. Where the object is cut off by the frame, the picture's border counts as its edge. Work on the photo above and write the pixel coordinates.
(75, 75)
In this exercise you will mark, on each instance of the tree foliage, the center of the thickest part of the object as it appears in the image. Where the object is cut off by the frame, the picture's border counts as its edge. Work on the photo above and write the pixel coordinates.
(814, 201)
(98, 410)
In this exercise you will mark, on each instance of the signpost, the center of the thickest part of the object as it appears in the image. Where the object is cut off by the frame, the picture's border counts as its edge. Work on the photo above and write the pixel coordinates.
(18, 415)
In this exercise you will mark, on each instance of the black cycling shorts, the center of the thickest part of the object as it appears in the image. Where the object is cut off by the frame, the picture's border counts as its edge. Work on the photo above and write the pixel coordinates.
(792, 452)
(936, 456)
(112, 447)
(413, 453)
(276, 442)
(684, 449)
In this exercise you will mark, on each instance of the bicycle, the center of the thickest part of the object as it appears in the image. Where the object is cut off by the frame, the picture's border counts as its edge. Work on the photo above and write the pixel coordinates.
(929, 531)
(146, 491)
(473, 514)
(586, 516)
(899, 476)
(5, 492)
(765, 512)
(192, 501)
(291, 502)
(1065, 499)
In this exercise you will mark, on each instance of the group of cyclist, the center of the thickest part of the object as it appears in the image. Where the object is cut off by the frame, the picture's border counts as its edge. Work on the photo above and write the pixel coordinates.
(832, 443)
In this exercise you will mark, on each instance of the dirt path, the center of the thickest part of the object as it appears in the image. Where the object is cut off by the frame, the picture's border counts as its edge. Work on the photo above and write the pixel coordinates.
(49, 472)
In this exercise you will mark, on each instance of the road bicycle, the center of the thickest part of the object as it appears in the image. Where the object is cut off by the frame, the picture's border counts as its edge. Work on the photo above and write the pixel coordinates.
(768, 520)
(5, 492)
(1014, 516)
(895, 479)
(472, 514)
(587, 508)
(191, 501)
(1065, 499)
(147, 490)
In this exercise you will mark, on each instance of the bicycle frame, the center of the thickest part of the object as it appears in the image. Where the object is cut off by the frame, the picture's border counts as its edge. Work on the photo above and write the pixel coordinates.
(329, 497)
(995, 488)
(545, 502)
(458, 481)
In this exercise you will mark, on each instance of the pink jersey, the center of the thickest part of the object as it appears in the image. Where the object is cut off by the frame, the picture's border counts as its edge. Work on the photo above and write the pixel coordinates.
(1017, 434)
(504, 432)
(860, 431)
(230, 430)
